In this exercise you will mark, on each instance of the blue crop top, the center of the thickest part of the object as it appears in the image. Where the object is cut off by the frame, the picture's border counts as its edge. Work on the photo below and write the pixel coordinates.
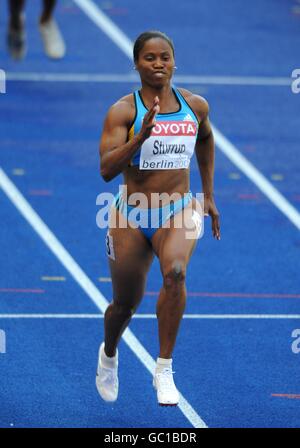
(172, 140)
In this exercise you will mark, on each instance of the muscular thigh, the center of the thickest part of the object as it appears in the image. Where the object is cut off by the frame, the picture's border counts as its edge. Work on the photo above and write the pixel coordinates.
(178, 240)
(130, 256)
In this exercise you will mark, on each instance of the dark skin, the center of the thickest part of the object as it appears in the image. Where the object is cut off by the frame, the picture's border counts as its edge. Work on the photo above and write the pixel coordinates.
(134, 254)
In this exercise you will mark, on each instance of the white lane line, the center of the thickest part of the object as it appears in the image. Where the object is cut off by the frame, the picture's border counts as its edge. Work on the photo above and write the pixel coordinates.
(72, 77)
(51, 241)
(234, 80)
(86, 284)
(125, 44)
(222, 142)
(104, 23)
(257, 178)
(51, 316)
(133, 78)
(107, 25)
(151, 316)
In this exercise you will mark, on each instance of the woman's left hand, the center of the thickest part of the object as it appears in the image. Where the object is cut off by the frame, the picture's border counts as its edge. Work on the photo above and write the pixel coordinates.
(211, 210)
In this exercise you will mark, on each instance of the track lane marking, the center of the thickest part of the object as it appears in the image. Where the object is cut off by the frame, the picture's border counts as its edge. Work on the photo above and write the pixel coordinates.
(86, 284)
(150, 316)
(133, 78)
(126, 45)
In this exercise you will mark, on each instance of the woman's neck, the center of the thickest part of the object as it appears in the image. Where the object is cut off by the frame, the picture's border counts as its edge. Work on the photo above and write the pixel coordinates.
(165, 94)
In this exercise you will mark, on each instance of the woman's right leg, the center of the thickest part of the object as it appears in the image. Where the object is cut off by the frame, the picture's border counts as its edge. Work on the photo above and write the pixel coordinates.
(130, 258)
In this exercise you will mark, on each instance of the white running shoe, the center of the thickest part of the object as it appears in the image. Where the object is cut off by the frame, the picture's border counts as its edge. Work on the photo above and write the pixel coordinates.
(167, 394)
(107, 378)
(54, 44)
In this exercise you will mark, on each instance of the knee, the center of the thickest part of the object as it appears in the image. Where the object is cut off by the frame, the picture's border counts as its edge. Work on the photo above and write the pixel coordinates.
(174, 274)
(121, 310)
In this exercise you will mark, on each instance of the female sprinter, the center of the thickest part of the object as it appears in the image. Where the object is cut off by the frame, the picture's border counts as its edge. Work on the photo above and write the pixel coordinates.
(150, 136)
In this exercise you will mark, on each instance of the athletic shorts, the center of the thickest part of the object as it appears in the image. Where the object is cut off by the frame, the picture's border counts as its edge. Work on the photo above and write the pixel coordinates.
(148, 220)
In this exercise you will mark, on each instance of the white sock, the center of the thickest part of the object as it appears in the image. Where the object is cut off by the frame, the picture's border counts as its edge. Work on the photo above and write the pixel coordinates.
(107, 361)
(162, 363)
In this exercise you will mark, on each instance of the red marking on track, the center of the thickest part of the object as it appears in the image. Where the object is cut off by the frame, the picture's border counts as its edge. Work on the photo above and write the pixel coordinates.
(16, 290)
(69, 9)
(249, 148)
(248, 196)
(293, 396)
(234, 294)
(245, 295)
(118, 11)
(40, 192)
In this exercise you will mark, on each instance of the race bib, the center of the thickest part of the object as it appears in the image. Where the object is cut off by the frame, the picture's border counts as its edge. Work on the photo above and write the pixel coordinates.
(170, 146)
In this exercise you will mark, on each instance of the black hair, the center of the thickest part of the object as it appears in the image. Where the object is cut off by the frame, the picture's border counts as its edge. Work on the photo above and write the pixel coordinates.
(142, 39)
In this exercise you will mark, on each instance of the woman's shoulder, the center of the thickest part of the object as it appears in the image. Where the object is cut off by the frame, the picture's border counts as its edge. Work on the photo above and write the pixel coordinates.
(123, 110)
(126, 103)
(197, 103)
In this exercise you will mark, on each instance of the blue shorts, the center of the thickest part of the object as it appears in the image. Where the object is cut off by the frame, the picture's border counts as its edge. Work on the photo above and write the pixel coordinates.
(148, 220)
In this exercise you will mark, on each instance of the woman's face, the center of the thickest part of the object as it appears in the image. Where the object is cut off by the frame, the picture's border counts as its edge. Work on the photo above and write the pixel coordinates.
(156, 62)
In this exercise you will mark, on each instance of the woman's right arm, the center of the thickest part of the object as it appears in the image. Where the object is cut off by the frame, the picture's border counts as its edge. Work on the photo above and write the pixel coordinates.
(115, 150)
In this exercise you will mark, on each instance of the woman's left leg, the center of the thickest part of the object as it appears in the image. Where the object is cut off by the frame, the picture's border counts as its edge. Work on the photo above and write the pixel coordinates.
(174, 247)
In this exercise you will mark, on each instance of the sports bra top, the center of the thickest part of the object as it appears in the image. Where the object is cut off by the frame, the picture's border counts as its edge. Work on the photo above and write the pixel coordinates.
(172, 140)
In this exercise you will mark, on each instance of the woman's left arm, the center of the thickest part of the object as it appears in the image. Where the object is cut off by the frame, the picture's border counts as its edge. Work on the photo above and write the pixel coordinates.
(205, 153)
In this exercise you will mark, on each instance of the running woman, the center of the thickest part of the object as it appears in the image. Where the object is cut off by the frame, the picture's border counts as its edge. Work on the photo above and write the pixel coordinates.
(150, 136)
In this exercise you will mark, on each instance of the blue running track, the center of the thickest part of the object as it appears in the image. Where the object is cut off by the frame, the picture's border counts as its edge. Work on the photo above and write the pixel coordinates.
(234, 360)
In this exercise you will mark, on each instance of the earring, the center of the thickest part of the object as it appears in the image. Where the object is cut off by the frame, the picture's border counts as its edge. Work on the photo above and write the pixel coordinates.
(174, 68)
(134, 68)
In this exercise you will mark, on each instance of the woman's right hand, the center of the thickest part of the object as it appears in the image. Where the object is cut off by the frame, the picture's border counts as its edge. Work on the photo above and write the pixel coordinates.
(149, 121)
